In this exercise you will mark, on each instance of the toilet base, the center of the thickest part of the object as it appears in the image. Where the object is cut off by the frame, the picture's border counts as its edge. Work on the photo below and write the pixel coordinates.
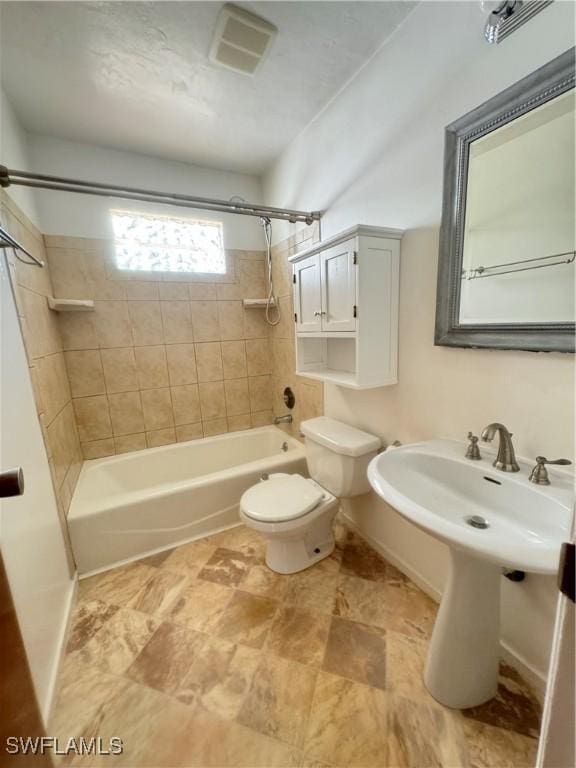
(293, 555)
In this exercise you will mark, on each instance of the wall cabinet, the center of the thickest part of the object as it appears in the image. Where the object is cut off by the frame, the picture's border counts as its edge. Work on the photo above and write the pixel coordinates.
(346, 308)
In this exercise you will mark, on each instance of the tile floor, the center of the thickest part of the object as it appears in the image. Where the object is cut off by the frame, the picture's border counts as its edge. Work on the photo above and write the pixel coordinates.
(203, 657)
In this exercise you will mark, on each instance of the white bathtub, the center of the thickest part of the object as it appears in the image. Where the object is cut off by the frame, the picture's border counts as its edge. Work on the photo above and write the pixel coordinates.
(138, 503)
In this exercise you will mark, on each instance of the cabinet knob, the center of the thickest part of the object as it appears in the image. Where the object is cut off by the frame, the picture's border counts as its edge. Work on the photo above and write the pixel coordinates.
(319, 314)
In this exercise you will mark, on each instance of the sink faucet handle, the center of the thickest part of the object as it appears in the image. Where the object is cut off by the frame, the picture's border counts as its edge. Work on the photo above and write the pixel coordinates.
(473, 452)
(539, 474)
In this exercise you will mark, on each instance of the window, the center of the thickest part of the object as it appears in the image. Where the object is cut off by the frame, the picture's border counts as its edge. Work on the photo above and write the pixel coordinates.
(167, 244)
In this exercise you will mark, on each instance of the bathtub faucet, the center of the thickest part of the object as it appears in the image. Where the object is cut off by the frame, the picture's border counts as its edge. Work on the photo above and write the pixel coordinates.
(287, 419)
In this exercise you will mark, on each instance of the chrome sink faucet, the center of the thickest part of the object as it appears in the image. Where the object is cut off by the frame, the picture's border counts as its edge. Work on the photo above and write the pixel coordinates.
(506, 459)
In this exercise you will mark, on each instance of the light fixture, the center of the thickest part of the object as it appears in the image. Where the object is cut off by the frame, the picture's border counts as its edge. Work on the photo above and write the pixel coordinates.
(507, 15)
(241, 40)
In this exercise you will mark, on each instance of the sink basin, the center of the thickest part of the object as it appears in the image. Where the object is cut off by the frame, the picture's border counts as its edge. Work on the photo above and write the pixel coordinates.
(437, 489)
(490, 519)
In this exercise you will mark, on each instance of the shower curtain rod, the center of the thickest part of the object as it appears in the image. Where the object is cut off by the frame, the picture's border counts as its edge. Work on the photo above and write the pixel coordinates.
(9, 177)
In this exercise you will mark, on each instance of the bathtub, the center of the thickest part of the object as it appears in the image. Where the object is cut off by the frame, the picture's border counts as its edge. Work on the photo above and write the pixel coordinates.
(127, 506)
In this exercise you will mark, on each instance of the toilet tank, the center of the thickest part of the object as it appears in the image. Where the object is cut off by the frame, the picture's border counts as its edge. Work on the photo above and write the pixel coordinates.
(338, 455)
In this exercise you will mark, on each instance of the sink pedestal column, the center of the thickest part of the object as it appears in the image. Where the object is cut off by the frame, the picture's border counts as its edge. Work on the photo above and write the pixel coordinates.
(464, 654)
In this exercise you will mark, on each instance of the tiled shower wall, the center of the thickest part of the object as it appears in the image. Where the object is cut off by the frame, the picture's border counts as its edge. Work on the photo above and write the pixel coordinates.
(308, 392)
(45, 354)
(160, 360)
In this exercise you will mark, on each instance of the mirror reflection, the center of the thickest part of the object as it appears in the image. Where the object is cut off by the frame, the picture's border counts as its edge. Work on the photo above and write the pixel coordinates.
(518, 262)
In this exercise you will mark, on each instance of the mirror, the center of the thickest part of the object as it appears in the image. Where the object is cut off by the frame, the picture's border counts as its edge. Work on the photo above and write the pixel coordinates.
(507, 266)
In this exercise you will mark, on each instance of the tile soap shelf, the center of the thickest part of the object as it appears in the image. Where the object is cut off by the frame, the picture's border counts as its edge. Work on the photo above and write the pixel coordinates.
(70, 305)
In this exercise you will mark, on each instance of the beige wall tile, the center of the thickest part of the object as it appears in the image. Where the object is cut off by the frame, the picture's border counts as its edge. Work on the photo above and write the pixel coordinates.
(43, 334)
(157, 408)
(187, 432)
(151, 366)
(260, 393)
(146, 322)
(68, 274)
(258, 356)
(98, 449)
(205, 320)
(141, 290)
(237, 423)
(119, 367)
(62, 443)
(126, 413)
(85, 372)
(237, 397)
(262, 418)
(229, 292)
(52, 379)
(176, 321)
(112, 324)
(186, 404)
(92, 417)
(209, 361)
(181, 364)
(255, 326)
(231, 320)
(173, 292)
(202, 292)
(212, 400)
(160, 437)
(253, 279)
(234, 359)
(214, 427)
(127, 443)
(77, 330)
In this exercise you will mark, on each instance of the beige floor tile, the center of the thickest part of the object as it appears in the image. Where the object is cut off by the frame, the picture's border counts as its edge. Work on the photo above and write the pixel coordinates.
(201, 605)
(160, 592)
(89, 616)
(348, 724)
(189, 558)
(82, 693)
(117, 586)
(356, 651)
(226, 566)
(219, 677)
(360, 560)
(490, 747)
(299, 635)
(279, 700)
(154, 729)
(514, 707)
(242, 539)
(247, 619)
(405, 660)
(114, 647)
(422, 735)
(165, 659)
(314, 589)
(214, 743)
(260, 580)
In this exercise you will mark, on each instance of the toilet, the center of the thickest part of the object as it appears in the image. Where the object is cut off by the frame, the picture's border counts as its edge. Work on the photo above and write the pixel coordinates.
(296, 514)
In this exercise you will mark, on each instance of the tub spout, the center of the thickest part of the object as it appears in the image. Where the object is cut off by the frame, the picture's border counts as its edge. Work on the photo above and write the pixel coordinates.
(287, 419)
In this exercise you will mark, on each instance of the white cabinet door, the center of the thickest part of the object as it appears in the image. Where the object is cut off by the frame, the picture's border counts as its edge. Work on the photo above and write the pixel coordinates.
(307, 296)
(338, 280)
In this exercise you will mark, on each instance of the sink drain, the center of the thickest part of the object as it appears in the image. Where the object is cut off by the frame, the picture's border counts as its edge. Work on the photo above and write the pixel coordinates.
(476, 521)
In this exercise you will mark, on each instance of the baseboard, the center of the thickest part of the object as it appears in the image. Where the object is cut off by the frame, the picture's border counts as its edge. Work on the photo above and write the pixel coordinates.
(48, 702)
(533, 676)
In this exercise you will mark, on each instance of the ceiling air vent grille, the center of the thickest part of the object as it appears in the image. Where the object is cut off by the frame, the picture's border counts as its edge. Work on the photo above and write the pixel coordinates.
(241, 40)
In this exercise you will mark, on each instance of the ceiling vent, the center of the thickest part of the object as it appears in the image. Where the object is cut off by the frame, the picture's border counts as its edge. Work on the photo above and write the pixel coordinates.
(241, 40)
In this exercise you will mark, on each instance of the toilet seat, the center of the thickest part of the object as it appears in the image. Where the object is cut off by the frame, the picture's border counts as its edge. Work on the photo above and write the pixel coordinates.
(281, 499)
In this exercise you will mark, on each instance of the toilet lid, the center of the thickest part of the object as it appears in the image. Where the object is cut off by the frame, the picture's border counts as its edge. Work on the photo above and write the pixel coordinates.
(281, 499)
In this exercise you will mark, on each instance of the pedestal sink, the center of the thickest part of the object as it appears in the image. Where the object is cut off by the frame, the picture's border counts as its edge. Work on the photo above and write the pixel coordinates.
(490, 520)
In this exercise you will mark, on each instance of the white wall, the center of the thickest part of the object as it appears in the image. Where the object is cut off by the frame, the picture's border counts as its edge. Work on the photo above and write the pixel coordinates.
(63, 213)
(374, 156)
(14, 153)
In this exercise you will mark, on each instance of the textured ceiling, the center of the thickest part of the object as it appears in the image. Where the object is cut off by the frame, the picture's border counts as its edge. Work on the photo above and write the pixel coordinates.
(136, 76)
